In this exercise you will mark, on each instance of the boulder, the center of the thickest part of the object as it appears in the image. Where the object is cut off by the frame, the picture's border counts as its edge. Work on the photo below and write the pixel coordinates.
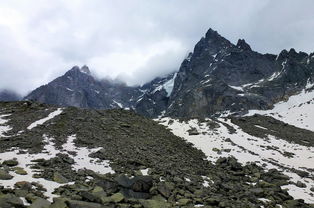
(57, 177)
(4, 175)
(82, 204)
(40, 203)
(10, 163)
(20, 171)
(9, 200)
(118, 197)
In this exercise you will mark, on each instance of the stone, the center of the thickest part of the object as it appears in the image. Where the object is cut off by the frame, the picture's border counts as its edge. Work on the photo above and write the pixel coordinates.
(118, 197)
(183, 202)
(57, 177)
(154, 204)
(10, 163)
(59, 203)
(142, 183)
(4, 175)
(300, 184)
(23, 185)
(82, 204)
(9, 200)
(40, 203)
(20, 171)
(165, 188)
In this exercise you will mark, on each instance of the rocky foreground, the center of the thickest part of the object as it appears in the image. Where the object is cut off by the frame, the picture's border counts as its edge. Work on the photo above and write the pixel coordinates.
(68, 157)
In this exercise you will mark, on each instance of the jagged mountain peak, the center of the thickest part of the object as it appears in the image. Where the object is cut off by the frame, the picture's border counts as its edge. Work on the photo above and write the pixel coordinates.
(76, 69)
(85, 69)
(242, 44)
(213, 37)
(292, 54)
(210, 34)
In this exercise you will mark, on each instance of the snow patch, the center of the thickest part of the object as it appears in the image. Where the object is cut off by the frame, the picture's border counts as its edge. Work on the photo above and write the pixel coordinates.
(82, 158)
(274, 76)
(296, 111)
(144, 172)
(118, 104)
(42, 121)
(239, 88)
(4, 128)
(168, 86)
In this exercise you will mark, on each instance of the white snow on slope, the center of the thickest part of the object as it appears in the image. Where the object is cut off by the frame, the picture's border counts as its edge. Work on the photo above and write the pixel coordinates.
(4, 128)
(24, 161)
(168, 86)
(298, 110)
(42, 121)
(81, 158)
(118, 104)
(239, 88)
(274, 76)
(249, 149)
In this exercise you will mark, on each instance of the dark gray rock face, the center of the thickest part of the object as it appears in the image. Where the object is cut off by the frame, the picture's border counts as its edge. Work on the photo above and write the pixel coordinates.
(219, 76)
(7, 95)
(79, 88)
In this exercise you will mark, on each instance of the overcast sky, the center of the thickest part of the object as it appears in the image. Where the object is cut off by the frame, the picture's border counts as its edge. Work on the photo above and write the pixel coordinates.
(136, 40)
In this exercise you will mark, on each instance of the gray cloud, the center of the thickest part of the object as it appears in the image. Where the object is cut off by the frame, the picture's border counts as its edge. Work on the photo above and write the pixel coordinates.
(135, 40)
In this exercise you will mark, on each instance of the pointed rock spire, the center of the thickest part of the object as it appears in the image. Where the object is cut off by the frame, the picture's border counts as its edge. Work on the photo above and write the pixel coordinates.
(85, 69)
(243, 45)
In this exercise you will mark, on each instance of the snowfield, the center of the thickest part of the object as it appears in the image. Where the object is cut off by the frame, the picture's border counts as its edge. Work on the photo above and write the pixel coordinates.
(298, 110)
(220, 142)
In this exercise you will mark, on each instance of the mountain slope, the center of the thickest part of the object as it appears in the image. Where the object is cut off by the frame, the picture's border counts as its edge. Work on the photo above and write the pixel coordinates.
(115, 158)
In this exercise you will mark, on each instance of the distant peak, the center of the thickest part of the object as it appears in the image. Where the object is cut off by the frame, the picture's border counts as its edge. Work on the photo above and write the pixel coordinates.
(214, 37)
(79, 70)
(75, 68)
(211, 33)
(243, 45)
(85, 69)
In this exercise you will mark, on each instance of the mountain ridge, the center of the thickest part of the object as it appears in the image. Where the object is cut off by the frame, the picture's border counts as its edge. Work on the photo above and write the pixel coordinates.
(218, 77)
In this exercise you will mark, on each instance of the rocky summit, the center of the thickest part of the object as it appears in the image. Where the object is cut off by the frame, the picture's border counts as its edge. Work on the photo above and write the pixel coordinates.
(220, 77)
(72, 157)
